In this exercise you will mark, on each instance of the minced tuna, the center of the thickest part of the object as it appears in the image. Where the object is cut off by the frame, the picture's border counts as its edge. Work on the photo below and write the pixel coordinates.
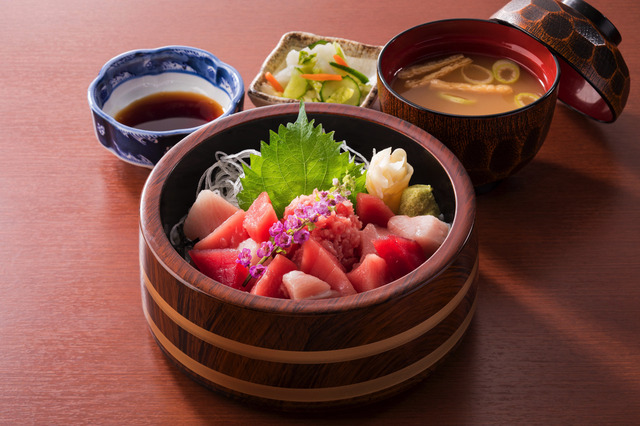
(338, 232)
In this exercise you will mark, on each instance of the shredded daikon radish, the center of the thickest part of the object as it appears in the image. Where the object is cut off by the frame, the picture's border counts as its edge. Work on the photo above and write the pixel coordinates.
(223, 177)
(355, 155)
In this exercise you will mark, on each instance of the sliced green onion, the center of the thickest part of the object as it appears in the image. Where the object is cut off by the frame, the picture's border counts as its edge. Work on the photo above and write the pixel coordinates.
(476, 74)
(524, 98)
(456, 99)
(357, 74)
(505, 71)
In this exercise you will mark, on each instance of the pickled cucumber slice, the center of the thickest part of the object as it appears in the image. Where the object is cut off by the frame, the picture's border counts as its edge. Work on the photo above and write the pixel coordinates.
(476, 74)
(297, 85)
(345, 91)
(506, 71)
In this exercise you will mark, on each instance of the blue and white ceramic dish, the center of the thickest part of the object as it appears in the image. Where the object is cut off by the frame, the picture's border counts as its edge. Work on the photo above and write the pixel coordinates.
(139, 73)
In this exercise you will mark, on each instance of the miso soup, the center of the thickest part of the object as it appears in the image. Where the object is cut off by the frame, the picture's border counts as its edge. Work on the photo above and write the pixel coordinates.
(468, 84)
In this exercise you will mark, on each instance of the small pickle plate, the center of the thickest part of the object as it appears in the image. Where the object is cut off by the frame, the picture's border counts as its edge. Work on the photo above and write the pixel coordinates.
(362, 57)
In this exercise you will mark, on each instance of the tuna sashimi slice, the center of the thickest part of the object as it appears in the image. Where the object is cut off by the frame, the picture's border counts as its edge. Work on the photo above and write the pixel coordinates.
(428, 231)
(229, 234)
(221, 265)
(401, 255)
(370, 233)
(206, 214)
(270, 283)
(305, 286)
(371, 273)
(260, 217)
(371, 209)
(317, 261)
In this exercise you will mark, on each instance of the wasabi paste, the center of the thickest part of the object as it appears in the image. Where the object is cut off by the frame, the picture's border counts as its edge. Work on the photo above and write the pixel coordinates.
(418, 200)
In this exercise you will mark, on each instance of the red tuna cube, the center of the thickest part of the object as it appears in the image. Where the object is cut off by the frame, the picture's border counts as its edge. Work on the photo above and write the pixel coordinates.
(401, 254)
(221, 265)
(260, 216)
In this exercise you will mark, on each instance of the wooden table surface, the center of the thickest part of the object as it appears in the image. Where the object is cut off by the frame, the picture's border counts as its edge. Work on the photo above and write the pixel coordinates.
(556, 336)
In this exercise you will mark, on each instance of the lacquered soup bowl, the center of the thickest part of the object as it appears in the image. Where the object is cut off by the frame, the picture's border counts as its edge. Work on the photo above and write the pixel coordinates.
(491, 147)
(313, 354)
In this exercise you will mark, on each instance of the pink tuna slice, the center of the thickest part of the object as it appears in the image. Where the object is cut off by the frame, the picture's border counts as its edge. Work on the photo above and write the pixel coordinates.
(317, 261)
(428, 231)
(371, 273)
(228, 235)
(304, 286)
(206, 214)
(270, 283)
(369, 233)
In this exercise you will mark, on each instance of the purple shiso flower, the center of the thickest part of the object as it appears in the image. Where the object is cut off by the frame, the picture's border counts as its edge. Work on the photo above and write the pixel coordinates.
(283, 240)
(341, 198)
(265, 250)
(292, 222)
(276, 228)
(307, 213)
(300, 236)
(257, 270)
(322, 208)
(244, 258)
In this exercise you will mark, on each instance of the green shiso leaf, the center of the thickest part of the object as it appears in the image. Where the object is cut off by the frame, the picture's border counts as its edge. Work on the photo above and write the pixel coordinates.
(298, 158)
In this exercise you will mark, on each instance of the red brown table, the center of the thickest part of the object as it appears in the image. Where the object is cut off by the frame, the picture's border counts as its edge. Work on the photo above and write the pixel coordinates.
(555, 339)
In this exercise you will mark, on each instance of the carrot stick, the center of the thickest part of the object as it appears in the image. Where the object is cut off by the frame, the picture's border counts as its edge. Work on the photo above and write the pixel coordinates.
(273, 82)
(321, 77)
(340, 60)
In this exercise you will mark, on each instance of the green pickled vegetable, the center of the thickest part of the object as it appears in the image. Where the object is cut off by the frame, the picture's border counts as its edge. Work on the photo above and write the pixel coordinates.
(345, 91)
(297, 86)
(357, 74)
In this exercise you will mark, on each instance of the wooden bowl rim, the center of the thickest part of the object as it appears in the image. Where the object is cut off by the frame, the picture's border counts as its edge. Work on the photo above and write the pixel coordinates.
(159, 244)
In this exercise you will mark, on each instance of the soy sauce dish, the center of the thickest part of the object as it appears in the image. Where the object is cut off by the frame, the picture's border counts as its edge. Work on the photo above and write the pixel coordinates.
(144, 101)
(308, 354)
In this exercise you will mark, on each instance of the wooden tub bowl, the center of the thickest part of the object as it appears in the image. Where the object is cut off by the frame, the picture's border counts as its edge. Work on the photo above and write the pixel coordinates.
(318, 354)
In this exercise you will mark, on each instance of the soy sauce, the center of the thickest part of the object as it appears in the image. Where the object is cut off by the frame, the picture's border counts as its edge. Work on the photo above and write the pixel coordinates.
(166, 111)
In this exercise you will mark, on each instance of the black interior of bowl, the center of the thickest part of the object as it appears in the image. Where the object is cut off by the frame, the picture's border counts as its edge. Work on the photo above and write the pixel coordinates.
(180, 188)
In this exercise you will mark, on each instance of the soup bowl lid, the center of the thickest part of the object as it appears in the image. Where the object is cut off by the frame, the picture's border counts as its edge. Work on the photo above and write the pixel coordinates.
(594, 76)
